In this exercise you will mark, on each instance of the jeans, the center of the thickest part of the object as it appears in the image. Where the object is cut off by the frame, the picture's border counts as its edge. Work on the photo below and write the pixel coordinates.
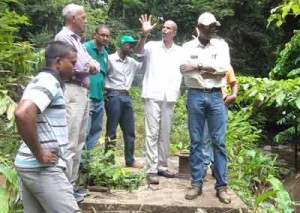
(208, 106)
(119, 110)
(207, 146)
(94, 127)
(207, 152)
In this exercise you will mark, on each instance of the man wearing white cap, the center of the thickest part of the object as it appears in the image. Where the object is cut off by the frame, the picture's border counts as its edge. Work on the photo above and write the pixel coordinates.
(207, 62)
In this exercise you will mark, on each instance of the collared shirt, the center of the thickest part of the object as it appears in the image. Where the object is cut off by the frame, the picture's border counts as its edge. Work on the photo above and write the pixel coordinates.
(215, 54)
(46, 92)
(120, 73)
(97, 81)
(162, 77)
(81, 68)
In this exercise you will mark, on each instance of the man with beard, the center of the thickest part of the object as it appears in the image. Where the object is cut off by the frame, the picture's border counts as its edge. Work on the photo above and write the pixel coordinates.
(208, 60)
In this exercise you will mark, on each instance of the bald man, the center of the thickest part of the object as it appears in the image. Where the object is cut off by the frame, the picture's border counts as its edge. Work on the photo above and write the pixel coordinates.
(161, 85)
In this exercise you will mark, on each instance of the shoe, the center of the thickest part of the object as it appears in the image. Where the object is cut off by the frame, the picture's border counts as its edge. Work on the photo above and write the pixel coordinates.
(193, 192)
(152, 179)
(135, 165)
(224, 195)
(78, 197)
(82, 191)
(166, 174)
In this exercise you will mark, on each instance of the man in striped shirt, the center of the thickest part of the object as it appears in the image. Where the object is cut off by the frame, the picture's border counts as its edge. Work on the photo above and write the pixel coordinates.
(42, 125)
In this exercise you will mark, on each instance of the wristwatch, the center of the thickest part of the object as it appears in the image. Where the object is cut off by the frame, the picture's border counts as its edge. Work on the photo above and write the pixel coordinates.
(200, 66)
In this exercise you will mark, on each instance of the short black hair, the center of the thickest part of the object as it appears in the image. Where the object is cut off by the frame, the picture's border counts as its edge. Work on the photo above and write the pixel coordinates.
(100, 26)
(57, 49)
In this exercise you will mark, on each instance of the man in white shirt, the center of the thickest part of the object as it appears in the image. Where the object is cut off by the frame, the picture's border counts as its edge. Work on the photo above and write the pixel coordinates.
(161, 85)
(208, 60)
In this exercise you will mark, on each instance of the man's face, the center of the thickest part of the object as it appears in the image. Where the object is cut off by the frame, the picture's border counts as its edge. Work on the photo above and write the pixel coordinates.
(207, 32)
(101, 37)
(66, 65)
(80, 20)
(168, 30)
(128, 48)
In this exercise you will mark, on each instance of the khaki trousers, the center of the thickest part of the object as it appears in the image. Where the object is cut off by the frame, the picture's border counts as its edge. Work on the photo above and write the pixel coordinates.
(77, 105)
(158, 122)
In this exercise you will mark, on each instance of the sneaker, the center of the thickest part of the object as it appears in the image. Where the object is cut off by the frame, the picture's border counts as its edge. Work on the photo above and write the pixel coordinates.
(82, 191)
(152, 179)
(224, 195)
(193, 192)
(78, 197)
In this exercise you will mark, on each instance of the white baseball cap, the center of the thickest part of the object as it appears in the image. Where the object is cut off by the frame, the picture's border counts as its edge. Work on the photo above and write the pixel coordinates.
(207, 19)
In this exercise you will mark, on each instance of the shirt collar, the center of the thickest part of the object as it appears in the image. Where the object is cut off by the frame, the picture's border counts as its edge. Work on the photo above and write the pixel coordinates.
(94, 47)
(71, 33)
(163, 45)
(120, 59)
(55, 75)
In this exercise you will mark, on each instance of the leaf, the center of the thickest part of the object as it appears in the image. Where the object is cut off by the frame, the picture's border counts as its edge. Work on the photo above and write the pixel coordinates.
(3, 200)
(298, 102)
(280, 98)
(264, 196)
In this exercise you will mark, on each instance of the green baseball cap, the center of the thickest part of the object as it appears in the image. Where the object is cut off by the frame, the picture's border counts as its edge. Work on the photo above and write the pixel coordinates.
(127, 39)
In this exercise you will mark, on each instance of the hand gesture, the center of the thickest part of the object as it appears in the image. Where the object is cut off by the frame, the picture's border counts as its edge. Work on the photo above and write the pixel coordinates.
(47, 156)
(145, 20)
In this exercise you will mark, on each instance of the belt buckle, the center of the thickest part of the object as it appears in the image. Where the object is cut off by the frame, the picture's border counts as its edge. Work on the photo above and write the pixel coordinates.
(206, 90)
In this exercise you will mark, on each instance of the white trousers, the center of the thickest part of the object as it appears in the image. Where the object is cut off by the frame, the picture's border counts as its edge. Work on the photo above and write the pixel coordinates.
(158, 121)
(77, 106)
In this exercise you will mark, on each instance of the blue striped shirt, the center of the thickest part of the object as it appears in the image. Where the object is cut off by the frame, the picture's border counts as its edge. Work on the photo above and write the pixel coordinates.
(45, 90)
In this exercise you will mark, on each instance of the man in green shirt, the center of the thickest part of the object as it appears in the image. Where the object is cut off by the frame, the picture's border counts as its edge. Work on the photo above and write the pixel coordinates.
(96, 48)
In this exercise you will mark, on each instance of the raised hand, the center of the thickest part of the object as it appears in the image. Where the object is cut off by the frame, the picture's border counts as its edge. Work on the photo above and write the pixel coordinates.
(145, 21)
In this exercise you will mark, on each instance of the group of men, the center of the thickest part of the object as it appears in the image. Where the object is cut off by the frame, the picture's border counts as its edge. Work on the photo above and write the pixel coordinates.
(61, 110)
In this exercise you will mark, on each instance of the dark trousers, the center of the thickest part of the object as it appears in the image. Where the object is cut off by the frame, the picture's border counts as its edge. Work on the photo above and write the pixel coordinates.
(118, 107)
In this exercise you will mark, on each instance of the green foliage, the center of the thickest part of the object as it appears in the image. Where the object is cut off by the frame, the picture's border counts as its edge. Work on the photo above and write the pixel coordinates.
(105, 173)
(179, 133)
(9, 189)
(288, 61)
(285, 8)
(278, 195)
(272, 101)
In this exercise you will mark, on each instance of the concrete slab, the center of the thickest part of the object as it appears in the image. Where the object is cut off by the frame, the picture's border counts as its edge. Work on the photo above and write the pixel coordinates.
(167, 197)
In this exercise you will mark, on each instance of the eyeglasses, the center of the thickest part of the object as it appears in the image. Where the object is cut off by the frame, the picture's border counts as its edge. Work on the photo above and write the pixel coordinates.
(102, 35)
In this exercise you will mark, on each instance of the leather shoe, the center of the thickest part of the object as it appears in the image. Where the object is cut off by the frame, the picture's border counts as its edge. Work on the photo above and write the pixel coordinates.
(224, 195)
(193, 192)
(166, 174)
(135, 165)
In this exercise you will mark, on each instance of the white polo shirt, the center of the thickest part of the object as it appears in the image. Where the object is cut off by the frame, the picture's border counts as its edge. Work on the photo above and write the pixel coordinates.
(162, 77)
(215, 54)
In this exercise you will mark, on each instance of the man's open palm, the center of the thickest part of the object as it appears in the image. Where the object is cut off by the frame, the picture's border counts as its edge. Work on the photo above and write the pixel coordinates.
(145, 20)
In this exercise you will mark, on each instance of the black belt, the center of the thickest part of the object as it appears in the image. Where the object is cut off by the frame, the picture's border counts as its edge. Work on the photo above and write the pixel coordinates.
(117, 91)
(208, 90)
